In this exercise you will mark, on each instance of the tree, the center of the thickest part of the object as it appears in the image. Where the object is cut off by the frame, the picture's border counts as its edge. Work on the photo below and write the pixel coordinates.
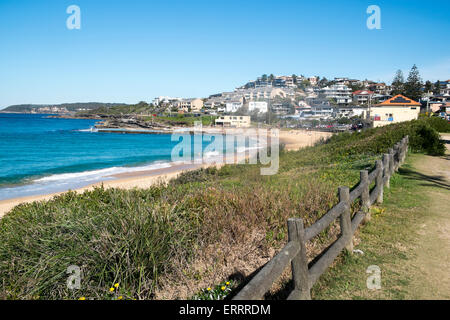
(413, 84)
(271, 77)
(428, 86)
(264, 77)
(306, 83)
(242, 111)
(356, 86)
(323, 82)
(294, 79)
(437, 88)
(398, 84)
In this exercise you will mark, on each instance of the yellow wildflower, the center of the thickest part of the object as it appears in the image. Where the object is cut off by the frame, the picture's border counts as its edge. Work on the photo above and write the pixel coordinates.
(111, 289)
(82, 298)
(116, 285)
(120, 297)
(223, 288)
(227, 283)
(209, 289)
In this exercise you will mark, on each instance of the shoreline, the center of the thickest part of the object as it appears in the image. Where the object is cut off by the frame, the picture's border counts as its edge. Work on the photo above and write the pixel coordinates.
(128, 180)
(293, 140)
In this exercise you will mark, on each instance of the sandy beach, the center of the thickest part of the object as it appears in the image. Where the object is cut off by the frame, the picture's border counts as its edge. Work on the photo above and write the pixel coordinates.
(293, 140)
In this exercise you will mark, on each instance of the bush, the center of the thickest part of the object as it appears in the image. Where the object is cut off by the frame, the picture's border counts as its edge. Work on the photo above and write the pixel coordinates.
(438, 124)
(199, 175)
(428, 140)
(423, 138)
(112, 235)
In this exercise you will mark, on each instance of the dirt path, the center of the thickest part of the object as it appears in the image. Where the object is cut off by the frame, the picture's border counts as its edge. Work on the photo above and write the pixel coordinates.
(431, 266)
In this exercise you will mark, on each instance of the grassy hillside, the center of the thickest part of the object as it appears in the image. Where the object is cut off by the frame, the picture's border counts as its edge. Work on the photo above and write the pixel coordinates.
(200, 228)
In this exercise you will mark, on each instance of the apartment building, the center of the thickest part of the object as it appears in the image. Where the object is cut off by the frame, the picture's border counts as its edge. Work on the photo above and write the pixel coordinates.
(338, 92)
(445, 88)
(281, 108)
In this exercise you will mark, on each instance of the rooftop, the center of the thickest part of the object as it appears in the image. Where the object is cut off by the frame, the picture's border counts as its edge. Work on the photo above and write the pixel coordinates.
(399, 100)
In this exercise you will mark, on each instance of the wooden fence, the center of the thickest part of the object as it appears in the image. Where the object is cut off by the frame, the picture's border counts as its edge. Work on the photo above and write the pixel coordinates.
(304, 275)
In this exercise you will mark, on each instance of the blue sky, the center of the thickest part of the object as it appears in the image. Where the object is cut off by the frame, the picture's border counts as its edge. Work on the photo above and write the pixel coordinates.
(127, 51)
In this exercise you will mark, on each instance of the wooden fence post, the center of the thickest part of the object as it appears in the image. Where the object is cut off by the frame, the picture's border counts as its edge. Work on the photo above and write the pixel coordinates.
(365, 197)
(396, 156)
(379, 181)
(404, 149)
(400, 153)
(386, 170)
(391, 162)
(345, 218)
(299, 265)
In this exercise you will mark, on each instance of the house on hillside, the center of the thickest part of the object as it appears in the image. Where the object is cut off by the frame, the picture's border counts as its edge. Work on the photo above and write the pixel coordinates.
(396, 109)
(233, 106)
(338, 92)
(233, 121)
(362, 96)
(189, 105)
(261, 106)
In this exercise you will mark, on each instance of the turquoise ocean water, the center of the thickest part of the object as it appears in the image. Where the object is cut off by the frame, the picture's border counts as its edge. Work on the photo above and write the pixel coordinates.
(40, 155)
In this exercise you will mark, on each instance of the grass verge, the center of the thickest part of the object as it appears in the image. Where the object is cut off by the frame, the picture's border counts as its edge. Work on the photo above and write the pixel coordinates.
(389, 241)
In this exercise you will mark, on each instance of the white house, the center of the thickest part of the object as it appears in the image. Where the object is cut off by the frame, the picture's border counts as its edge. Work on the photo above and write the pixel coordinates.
(341, 93)
(261, 106)
(233, 106)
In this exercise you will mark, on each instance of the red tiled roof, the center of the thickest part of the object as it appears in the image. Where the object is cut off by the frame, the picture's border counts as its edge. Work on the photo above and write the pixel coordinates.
(362, 92)
(399, 100)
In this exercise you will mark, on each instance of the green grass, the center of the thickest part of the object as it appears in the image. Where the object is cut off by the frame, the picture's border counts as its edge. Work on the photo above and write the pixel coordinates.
(147, 239)
(387, 241)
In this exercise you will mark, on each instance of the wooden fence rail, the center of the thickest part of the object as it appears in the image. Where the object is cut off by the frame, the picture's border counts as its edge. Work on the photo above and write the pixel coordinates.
(305, 276)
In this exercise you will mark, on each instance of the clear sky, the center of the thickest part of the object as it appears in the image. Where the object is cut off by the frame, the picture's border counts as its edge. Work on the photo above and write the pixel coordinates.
(127, 51)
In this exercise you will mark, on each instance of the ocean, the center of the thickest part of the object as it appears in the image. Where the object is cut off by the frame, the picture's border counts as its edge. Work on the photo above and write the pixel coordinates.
(41, 155)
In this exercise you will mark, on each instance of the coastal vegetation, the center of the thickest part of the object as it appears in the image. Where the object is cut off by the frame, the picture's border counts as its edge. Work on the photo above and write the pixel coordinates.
(119, 109)
(147, 114)
(26, 108)
(203, 228)
(183, 120)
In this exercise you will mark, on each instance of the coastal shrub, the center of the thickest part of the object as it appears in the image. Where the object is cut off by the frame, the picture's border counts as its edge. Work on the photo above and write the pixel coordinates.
(438, 124)
(112, 235)
(423, 138)
(199, 175)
